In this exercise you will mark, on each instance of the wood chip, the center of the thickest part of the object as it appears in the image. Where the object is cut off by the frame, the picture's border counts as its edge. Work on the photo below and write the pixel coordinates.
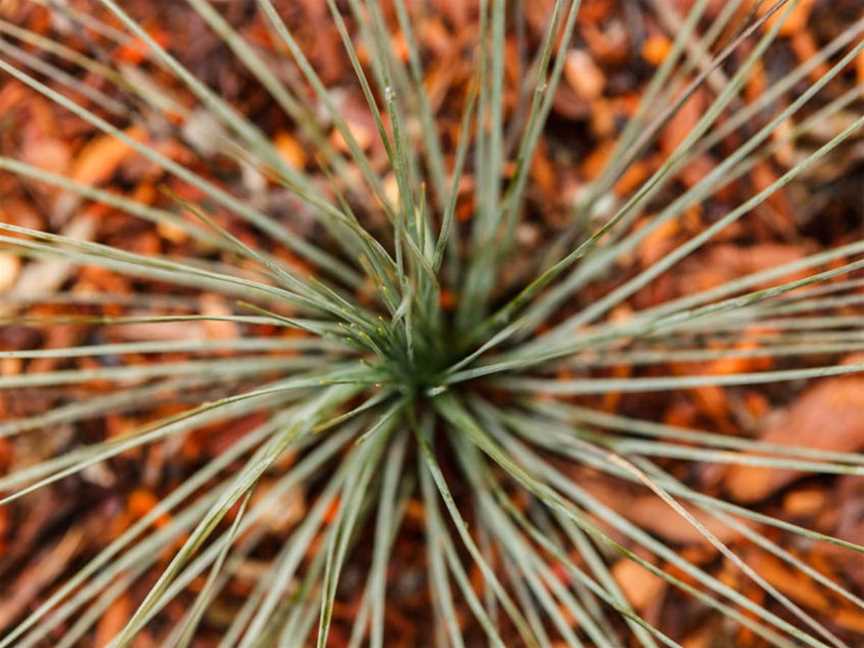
(583, 75)
(99, 159)
(639, 586)
(10, 264)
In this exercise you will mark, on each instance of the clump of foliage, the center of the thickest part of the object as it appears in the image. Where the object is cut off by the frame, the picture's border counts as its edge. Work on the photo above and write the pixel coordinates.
(387, 354)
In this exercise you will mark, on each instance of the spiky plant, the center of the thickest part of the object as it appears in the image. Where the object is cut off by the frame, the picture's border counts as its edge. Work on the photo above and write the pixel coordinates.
(398, 362)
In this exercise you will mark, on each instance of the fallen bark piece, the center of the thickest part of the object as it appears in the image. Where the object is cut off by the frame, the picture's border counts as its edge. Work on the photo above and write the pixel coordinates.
(656, 516)
(829, 416)
(790, 581)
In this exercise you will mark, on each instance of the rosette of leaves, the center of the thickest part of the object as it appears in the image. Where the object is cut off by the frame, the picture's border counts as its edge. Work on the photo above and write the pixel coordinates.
(392, 355)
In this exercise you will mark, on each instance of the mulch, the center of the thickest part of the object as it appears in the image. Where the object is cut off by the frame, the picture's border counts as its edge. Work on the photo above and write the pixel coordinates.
(619, 45)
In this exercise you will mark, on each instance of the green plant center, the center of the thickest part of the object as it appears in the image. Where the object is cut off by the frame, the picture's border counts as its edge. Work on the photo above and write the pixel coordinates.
(419, 364)
(418, 375)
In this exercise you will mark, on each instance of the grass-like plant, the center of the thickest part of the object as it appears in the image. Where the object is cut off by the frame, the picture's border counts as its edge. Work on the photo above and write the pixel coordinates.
(391, 354)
